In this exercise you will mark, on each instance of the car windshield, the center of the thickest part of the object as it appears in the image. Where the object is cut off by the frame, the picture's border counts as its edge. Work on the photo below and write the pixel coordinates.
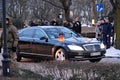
(55, 32)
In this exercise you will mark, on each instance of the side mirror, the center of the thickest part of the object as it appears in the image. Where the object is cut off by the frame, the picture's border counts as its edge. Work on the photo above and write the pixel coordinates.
(44, 38)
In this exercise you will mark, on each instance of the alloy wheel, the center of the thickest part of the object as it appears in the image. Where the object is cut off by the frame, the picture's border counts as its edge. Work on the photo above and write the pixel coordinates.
(60, 55)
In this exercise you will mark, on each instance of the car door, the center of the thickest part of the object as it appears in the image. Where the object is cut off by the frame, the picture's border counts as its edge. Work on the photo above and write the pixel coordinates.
(25, 42)
(41, 46)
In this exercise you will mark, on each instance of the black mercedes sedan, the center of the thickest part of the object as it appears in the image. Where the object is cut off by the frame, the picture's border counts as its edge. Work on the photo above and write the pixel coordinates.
(58, 43)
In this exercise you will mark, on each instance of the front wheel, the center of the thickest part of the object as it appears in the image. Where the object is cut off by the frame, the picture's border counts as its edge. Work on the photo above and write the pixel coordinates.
(95, 60)
(60, 55)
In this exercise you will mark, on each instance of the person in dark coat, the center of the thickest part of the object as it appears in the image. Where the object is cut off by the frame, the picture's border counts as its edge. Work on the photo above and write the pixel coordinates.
(32, 23)
(77, 26)
(66, 23)
(106, 31)
(54, 22)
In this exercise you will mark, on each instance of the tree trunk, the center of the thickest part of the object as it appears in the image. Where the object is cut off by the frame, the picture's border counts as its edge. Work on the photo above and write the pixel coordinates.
(117, 28)
(66, 5)
(67, 14)
(94, 11)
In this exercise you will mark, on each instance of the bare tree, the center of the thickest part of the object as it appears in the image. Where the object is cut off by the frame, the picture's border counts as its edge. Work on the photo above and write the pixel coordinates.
(116, 12)
(16, 10)
(49, 9)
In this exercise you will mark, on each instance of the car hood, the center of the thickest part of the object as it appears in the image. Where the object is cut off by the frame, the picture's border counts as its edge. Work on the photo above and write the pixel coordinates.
(78, 40)
(81, 40)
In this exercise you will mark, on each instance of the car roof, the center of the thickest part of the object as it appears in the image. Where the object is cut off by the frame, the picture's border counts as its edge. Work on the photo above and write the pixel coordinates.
(50, 26)
(42, 27)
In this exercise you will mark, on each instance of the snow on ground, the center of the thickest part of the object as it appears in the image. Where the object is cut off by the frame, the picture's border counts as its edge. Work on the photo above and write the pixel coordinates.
(112, 52)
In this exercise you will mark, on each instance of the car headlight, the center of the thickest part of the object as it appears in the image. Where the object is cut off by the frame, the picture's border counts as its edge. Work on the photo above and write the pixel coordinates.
(102, 46)
(75, 47)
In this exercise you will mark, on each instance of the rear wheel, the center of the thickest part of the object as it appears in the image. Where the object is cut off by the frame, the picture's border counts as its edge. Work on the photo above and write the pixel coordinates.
(95, 60)
(60, 55)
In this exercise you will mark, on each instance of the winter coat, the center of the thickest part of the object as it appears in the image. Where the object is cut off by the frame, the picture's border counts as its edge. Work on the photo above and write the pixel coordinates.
(12, 37)
(54, 23)
(106, 29)
(77, 27)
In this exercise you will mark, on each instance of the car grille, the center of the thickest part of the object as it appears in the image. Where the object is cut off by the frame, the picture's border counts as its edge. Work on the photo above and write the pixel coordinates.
(92, 47)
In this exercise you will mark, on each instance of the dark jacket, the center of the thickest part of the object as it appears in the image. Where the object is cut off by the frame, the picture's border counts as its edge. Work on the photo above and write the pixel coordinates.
(77, 27)
(54, 23)
(107, 29)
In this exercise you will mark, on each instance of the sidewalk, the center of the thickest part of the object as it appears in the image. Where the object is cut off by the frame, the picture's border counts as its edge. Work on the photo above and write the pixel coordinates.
(1, 57)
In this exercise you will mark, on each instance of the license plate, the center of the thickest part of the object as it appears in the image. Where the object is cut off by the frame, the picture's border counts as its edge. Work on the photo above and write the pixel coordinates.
(78, 57)
(95, 54)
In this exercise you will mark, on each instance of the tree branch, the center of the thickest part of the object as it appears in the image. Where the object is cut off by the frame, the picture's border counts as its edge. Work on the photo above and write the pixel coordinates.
(53, 4)
(113, 3)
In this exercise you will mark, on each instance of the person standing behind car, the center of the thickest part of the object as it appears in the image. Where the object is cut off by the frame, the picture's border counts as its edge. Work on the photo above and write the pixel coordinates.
(77, 26)
(66, 24)
(106, 32)
(12, 39)
(54, 22)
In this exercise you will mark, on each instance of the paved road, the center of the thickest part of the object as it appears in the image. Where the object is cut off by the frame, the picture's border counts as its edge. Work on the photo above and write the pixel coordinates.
(104, 60)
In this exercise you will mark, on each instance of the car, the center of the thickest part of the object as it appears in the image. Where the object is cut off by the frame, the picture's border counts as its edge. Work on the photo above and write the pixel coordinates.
(58, 43)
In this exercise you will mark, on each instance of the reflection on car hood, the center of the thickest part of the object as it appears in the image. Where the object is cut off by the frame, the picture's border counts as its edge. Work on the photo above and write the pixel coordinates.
(81, 40)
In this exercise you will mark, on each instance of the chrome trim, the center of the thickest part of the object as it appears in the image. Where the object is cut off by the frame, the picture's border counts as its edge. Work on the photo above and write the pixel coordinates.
(36, 54)
(91, 45)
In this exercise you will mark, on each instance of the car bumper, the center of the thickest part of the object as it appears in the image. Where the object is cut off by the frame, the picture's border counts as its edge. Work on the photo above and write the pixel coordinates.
(86, 55)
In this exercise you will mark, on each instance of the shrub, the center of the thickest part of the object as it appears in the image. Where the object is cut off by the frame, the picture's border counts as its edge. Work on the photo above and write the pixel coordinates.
(70, 70)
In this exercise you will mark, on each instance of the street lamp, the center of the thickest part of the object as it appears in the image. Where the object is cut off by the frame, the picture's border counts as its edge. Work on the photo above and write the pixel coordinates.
(6, 60)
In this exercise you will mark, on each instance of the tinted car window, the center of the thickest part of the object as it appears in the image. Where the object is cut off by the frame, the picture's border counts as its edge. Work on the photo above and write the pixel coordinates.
(52, 33)
(38, 34)
(68, 33)
(27, 33)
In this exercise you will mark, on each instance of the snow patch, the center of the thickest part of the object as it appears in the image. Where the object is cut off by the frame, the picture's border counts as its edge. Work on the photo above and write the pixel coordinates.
(112, 52)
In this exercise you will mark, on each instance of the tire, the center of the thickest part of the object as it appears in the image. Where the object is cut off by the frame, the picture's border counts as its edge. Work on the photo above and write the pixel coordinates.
(18, 54)
(95, 60)
(60, 55)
